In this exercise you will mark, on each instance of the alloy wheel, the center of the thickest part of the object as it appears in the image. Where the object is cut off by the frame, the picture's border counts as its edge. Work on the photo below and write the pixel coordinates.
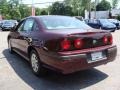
(34, 62)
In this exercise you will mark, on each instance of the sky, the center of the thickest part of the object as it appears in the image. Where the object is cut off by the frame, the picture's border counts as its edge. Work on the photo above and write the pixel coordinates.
(48, 4)
(40, 1)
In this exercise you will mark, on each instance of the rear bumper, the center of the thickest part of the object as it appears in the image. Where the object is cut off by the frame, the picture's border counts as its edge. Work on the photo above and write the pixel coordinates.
(67, 62)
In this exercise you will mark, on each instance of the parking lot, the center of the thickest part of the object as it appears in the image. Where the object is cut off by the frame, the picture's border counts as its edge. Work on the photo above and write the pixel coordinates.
(15, 73)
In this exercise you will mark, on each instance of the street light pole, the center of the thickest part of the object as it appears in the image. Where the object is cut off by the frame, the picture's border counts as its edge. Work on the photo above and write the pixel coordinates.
(33, 9)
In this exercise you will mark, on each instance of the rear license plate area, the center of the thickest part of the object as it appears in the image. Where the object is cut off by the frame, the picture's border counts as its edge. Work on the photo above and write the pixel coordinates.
(96, 56)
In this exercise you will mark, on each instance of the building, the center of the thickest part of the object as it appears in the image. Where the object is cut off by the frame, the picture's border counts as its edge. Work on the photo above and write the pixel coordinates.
(103, 14)
(115, 12)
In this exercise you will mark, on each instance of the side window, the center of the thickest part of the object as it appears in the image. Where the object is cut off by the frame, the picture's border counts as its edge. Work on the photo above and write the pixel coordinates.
(28, 25)
(20, 27)
(35, 27)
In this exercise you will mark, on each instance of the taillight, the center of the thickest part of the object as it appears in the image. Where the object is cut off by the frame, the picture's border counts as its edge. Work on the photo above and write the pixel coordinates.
(105, 40)
(111, 39)
(78, 43)
(65, 44)
(108, 39)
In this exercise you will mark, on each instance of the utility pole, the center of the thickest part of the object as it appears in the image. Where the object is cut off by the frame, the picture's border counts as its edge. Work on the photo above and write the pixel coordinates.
(90, 9)
(78, 11)
(0, 15)
(95, 8)
(33, 9)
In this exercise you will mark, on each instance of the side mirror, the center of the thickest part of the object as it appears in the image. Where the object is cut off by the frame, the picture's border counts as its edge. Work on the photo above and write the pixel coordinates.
(13, 29)
(18, 20)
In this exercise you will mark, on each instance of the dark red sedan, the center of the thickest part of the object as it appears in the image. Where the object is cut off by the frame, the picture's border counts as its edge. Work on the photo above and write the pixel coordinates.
(61, 43)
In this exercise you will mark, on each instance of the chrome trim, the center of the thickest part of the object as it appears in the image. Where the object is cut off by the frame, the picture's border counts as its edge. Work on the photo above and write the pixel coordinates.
(71, 57)
(102, 59)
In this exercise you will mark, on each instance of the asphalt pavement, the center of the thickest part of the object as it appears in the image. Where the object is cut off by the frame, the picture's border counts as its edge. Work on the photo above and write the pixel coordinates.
(15, 73)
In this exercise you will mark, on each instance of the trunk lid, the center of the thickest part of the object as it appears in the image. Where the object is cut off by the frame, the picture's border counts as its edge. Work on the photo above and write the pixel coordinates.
(73, 31)
(90, 39)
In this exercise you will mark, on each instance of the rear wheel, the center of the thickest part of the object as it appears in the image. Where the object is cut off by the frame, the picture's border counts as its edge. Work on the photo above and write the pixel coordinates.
(3, 29)
(36, 65)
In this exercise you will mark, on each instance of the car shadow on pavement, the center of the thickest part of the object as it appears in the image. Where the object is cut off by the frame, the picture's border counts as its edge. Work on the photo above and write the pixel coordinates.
(53, 81)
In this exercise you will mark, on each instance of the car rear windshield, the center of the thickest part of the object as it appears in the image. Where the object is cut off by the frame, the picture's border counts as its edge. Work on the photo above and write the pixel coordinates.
(63, 22)
(105, 21)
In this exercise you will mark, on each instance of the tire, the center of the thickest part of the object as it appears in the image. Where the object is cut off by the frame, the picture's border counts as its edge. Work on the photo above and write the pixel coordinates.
(3, 29)
(36, 64)
(10, 46)
(113, 31)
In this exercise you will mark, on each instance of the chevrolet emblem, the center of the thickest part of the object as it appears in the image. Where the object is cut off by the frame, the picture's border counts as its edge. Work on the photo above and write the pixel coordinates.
(94, 42)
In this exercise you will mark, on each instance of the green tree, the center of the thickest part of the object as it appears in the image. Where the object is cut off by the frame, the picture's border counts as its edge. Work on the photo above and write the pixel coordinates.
(78, 6)
(57, 9)
(15, 3)
(86, 5)
(114, 3)
(15, 14)
(4, 9)
(118, 17)
(14, 9)
(44, 12)
(103, 6)
(68, 10)
(60, 9)
(25, 11)
(75, 5)
(93, 6)
(37, 11)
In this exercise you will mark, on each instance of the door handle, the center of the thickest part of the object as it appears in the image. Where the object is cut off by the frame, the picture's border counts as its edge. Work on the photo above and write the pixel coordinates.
(28, 39)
